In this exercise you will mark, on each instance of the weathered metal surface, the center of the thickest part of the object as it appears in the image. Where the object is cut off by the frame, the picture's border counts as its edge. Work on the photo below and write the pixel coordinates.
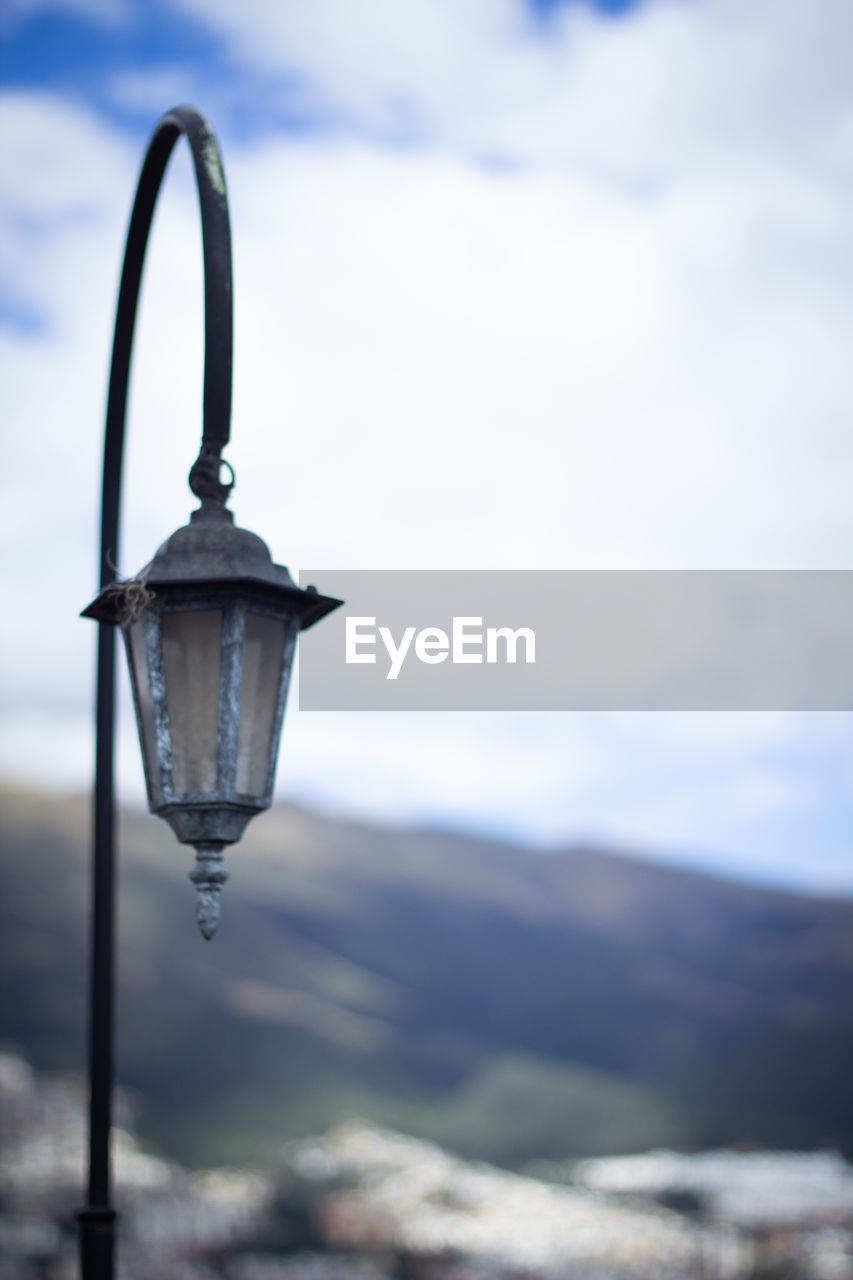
(212, 551)
(208, 877)
(207, 564)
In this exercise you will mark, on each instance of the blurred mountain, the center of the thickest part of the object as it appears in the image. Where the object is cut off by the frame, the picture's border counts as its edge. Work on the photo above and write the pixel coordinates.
(507, 1003)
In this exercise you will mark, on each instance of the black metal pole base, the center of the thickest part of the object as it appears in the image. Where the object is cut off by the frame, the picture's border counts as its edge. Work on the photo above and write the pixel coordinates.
(97, 1242)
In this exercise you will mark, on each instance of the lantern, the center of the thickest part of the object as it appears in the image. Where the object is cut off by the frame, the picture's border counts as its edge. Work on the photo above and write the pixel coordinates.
(210, 629)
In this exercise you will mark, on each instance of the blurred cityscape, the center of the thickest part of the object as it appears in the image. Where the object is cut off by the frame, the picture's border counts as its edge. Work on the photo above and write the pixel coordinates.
(369, 1204)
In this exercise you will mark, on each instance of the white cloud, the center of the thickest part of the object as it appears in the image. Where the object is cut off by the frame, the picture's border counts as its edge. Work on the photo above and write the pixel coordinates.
(631, 351)
(670, 89)
(154, 91)
(763, 791)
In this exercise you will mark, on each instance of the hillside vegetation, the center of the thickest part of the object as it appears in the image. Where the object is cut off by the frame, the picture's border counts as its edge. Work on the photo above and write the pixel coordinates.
(507, 1003)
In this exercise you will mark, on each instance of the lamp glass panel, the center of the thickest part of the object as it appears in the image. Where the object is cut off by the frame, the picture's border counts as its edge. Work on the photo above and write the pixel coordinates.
(137, 653)
(191, 662)
(263, 655)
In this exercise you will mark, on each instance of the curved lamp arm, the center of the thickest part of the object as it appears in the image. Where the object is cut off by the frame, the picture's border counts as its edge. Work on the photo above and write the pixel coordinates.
(218, 324)
(97, 1219)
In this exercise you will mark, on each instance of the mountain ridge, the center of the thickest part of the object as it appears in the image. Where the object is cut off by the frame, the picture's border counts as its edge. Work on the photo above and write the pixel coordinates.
(510, 1002)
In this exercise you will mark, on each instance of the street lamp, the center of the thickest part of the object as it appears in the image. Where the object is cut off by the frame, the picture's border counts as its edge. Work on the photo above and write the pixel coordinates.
(210, 628)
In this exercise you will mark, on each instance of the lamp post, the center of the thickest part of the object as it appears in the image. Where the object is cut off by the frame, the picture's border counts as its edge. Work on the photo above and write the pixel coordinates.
(210, 628)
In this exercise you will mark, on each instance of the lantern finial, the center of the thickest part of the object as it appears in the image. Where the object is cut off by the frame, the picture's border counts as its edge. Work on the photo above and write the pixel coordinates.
(208, 877)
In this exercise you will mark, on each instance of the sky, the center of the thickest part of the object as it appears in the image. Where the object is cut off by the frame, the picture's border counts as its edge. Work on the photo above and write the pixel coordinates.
(519, 284)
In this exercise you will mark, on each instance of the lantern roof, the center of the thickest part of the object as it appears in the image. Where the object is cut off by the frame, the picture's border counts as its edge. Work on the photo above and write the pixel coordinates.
(212, 551)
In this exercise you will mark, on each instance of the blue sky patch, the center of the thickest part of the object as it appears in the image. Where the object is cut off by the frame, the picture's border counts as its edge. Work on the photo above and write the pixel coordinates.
(87, 60)
(20, 317)
(613, 8)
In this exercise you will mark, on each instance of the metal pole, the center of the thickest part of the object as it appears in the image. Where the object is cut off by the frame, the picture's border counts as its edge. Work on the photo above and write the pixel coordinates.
(97, 1219)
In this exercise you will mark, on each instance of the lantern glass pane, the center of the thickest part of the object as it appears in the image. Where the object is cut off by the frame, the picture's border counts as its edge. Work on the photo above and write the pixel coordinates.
(191, 660)
(138, 655)
(263, 655)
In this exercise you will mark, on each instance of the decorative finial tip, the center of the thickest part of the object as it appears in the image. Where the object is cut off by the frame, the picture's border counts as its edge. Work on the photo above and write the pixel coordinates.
(208, 876)
(207, 912)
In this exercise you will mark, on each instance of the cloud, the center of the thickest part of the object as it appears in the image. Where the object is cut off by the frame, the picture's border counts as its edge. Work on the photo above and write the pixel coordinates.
(627, 348)
(667, 91)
